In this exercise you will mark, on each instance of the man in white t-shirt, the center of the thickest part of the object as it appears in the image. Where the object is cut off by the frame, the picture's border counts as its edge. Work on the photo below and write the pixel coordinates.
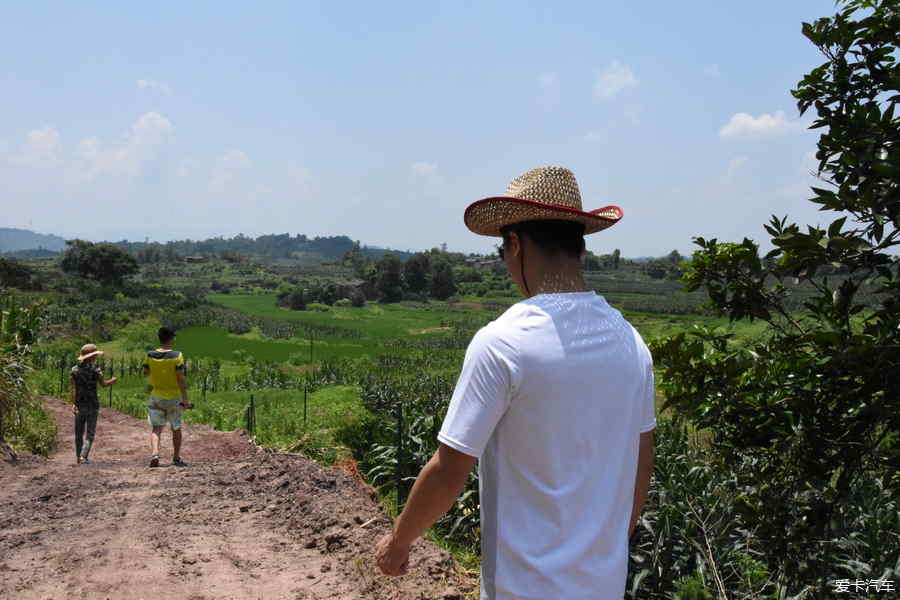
(555, 400)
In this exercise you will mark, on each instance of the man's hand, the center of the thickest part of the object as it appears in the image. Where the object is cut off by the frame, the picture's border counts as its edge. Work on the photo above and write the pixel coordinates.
(75, 409)
(392, 558)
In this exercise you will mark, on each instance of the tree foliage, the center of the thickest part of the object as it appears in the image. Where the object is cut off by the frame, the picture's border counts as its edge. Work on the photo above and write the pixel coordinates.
(443, 284)
(19, 411)
(105, 263)
(390, 282)
(813, 407)
(15, 274)
(415, 273)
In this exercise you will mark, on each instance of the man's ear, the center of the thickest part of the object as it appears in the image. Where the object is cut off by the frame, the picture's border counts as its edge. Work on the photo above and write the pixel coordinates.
(514, 248)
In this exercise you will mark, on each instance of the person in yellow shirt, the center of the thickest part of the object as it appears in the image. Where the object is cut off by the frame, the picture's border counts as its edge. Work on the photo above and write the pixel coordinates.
(168, 396)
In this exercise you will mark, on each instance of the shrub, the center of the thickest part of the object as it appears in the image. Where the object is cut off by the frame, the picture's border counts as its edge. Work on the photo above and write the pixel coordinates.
(22, 417)
(37, 433)
(140, 336)
(357, 298)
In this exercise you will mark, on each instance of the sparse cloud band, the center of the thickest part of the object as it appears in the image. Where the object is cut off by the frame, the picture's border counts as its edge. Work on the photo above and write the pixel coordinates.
(743, 125)
(614, 78)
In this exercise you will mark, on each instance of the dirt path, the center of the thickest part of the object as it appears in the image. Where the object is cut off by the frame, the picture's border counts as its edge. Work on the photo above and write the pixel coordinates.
(237, 523)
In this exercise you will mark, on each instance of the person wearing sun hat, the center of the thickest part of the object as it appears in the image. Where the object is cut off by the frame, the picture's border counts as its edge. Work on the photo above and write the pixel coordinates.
(556, 402)
(85, 377)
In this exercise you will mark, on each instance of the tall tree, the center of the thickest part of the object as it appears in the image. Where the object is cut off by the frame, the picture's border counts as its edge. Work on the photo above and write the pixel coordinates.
(105, 263)
(591, 262)
(415, 273)
(14, 274)
(442, 283)
(390, 282)
(814, 405)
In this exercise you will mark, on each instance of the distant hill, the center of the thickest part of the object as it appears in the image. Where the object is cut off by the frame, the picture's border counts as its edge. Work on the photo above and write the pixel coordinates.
(13, 240)
(278, 248)
(31, 254)
(283, 248)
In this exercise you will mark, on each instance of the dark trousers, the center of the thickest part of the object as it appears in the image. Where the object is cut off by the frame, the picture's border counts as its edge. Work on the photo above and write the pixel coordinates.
(85, 426)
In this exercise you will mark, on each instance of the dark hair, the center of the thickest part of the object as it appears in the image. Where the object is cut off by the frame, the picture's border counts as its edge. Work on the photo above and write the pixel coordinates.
(553, 237)
(165, 334)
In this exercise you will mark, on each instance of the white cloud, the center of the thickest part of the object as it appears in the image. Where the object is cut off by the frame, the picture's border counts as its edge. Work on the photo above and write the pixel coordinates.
(742, 125)
(424, 169)
(42, 148)
(141, 143)
(613, 79)
(228, 167)
(154, 86)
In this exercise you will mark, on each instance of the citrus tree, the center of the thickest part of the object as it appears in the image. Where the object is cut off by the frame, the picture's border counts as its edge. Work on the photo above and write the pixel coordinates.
(809, 415)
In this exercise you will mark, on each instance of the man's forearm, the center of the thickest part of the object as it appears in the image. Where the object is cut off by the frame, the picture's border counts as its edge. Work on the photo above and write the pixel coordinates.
(641, 488)
(436, 489)
(182, 387)
(642, 478)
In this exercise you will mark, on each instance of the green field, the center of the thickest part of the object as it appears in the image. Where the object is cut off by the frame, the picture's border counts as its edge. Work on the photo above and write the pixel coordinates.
(380, 323)
(375, 321)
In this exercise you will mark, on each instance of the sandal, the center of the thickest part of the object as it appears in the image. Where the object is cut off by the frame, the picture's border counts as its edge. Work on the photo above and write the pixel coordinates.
(154, 460)
(178, 462)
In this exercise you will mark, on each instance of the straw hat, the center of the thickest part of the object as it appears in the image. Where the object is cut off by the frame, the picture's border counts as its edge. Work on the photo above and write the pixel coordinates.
(544, 193)
(88, 351)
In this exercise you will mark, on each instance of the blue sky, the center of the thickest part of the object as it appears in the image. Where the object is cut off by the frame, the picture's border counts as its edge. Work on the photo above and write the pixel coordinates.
(383, 121)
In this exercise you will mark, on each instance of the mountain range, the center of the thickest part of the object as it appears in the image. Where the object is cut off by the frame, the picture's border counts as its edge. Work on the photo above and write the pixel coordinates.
(14, 240)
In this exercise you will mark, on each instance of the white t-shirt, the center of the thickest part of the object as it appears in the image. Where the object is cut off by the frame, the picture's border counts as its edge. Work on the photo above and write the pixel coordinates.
(552, 399)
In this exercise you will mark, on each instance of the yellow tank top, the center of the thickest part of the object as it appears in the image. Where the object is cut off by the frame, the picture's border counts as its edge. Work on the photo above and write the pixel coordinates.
(163, 365)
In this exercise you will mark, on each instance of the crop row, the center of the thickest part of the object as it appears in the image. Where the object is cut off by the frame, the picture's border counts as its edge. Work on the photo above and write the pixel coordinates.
(237, 322)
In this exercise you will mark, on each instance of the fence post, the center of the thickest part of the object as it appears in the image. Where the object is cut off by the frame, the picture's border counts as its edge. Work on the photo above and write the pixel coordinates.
(251, 416)
(61, 371)
(305, 390)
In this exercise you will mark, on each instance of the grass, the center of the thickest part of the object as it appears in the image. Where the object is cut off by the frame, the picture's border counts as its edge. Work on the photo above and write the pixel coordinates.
(214, 342)
(653, 326)
(379, 324)
(375, 321)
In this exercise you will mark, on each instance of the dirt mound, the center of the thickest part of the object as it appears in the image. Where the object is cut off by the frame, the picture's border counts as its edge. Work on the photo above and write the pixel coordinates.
(239, 522)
